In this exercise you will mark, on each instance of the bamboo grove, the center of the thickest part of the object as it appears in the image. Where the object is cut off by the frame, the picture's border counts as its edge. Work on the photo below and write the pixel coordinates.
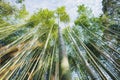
(46, 47)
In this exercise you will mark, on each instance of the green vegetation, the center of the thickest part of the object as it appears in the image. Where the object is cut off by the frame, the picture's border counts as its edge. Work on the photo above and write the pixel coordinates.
(40, 48)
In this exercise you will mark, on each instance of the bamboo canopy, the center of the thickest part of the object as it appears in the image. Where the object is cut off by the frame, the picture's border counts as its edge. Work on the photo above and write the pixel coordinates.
(39, 49)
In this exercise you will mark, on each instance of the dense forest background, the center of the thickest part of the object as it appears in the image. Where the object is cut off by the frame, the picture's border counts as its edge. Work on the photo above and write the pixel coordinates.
(44, 46)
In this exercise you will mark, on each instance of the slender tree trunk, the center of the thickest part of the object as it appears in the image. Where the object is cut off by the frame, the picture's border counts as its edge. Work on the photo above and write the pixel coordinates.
(85, 62)
(64, 73)
(57, 71)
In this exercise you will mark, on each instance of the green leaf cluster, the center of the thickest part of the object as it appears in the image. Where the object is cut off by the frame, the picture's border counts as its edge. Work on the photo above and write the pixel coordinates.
(5, 9)
(45, 17)
(62, 14)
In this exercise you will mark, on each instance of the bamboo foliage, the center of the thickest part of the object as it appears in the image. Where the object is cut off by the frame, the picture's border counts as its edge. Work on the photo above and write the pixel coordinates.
(45, 51)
